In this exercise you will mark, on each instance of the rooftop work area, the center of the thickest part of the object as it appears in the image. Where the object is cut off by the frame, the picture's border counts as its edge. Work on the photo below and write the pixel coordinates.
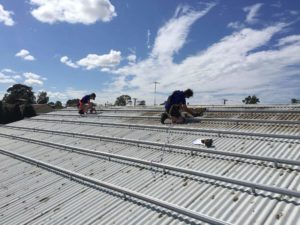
(122, 166)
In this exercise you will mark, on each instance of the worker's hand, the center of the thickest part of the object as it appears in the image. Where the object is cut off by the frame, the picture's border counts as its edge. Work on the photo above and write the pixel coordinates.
(189, 115)
(196, 114)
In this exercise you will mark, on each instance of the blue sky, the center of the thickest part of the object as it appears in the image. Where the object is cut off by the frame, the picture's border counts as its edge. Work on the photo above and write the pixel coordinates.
(221, 49)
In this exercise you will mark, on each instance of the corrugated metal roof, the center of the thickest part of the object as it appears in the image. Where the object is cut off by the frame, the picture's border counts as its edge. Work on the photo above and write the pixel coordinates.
(34, 194)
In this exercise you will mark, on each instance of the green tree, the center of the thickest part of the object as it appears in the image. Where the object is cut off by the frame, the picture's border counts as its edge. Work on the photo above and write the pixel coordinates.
(19, 93)
(295, 101)
(16, 113)
(251, 100)
(6, 114)
(11, 113)
(58, 105)
(42, 98)
(1, 113)
(28, 111)
(72, 102)
(122, 100)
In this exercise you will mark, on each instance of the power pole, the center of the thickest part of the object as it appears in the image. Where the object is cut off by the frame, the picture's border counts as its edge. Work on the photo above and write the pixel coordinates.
(155, 82)
(225, 100)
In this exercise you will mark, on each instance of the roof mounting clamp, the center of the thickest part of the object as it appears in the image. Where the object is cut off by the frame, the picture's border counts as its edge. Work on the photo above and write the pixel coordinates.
(124, 196)
(253, 190)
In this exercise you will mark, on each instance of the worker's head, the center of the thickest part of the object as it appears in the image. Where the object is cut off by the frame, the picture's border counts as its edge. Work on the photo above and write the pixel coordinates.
(188, 93)
(93, 96)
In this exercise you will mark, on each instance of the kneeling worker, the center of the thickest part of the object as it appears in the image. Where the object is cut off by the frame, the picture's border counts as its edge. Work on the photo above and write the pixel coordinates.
(175, 105)
(85, 104)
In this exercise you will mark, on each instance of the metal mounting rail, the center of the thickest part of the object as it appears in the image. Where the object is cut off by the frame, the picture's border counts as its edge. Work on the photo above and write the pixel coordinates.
(182, 129)
(125, 191)
(285, 122)
(289, 122)
(116, 110)
(253, 110)
(157, 144)
(108, 116)
(208, 109)
(253, 186)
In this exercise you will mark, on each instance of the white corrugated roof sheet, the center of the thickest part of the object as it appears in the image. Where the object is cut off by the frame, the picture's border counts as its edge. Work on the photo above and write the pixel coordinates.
(260, 184)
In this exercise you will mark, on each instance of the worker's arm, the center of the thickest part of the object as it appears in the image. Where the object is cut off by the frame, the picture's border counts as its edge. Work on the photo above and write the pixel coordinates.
(89, 104)
(186, 109)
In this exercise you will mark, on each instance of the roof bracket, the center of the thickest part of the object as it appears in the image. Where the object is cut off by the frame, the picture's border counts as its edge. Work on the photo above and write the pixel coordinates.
(253, 190)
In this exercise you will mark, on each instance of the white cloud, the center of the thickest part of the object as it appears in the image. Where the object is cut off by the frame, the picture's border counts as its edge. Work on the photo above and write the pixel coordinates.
(68, 62)
(93, 61)
(5, 79)
(148, 39)
(232, 68)
(17, 77)
(277, 4)
(29, 58)
(105, 69)
(294, 12)
(25, 54)
(31, 76)
(69, 93)
(57, 96)
(131, 58)
(8, 76)
(33, 82)
(6, 70)
(33, 79)
(252, 12)
(236, 25)
(171, 37)
(5, 17)
(73, 11)
(289, 40)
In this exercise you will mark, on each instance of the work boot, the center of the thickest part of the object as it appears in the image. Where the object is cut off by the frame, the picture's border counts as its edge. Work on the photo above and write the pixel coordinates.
(92, 111)
(163, 117)
(207, 142)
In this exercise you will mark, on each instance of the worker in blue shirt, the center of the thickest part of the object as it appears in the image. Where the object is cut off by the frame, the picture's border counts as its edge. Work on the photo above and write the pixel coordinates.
(85, 104)
(176, 104)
